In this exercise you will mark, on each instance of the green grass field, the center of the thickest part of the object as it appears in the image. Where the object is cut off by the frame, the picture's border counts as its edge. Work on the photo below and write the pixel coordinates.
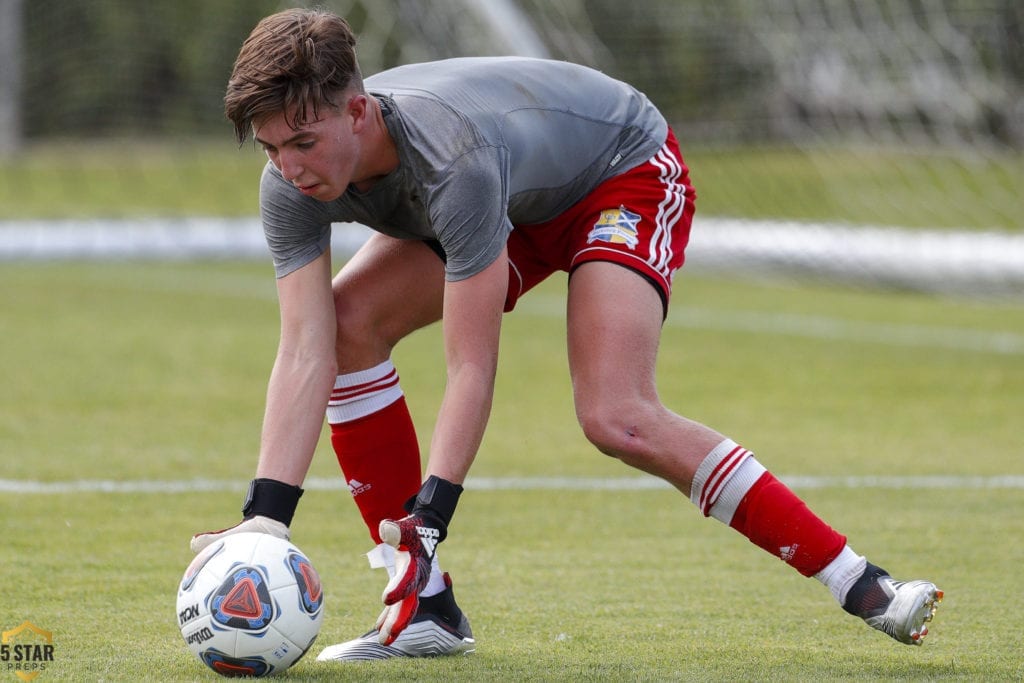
(129, 178)
(155, 372)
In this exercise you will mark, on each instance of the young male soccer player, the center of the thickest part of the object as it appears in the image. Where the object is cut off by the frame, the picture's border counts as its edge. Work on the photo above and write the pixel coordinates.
(482, 177)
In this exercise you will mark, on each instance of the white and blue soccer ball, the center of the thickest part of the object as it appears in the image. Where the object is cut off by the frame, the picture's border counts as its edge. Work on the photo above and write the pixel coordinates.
(250, 604)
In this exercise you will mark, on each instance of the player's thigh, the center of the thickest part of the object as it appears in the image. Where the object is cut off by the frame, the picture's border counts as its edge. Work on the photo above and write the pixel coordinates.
(387, 290)
(614, 327)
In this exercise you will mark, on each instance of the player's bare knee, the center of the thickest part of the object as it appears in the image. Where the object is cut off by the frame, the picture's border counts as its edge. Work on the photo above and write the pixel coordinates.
(608, 429)
(349, 312)
(359, 330)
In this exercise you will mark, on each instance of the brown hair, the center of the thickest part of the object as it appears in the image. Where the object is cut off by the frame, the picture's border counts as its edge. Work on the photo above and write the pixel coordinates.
(297, 60)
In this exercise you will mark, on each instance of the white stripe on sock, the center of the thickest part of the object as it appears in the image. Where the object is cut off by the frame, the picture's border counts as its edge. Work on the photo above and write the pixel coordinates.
(723, 479)
(358, 394)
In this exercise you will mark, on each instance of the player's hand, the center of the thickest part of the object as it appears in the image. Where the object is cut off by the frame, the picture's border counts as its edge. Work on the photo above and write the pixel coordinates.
(394, 618)
(268, 509)
(257, 524)
(415, 540)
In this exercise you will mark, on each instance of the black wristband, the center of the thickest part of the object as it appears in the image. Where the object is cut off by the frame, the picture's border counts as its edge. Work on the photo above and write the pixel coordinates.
(271, 498)
(436, 500)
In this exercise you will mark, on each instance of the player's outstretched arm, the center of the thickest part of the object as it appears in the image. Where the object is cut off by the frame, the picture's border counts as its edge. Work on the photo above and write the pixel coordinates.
(472, 326)
(473, 309)
(297, 394)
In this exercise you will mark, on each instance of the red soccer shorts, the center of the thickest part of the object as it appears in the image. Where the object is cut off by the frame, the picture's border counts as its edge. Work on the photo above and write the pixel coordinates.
(639, 219)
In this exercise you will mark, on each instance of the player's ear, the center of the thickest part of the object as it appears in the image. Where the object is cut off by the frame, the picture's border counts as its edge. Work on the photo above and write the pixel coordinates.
(357, 108)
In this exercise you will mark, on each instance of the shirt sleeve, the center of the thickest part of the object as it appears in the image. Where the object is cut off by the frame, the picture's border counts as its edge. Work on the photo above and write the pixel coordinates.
(469, 211)
(297, 228)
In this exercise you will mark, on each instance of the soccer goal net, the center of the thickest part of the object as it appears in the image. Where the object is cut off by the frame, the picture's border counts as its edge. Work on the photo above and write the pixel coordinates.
(820, 122)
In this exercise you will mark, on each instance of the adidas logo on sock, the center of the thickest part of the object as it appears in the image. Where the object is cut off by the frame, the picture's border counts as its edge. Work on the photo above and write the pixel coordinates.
(429, 537)
(788, 552)
(356, 487)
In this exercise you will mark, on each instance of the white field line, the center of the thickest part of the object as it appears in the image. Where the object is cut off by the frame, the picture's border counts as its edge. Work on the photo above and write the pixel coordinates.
(642, 483)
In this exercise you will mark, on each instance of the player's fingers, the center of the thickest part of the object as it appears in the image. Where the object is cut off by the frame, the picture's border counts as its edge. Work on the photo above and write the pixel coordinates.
(404, 582)
(390, 532)
(258, 524)
(395, 618)
(201, 541)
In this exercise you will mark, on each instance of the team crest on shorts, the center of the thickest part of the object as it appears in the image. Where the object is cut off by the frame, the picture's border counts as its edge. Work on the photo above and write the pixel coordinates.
(616, 226)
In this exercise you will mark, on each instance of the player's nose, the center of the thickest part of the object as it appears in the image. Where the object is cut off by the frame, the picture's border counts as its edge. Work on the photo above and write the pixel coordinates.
(289, 167)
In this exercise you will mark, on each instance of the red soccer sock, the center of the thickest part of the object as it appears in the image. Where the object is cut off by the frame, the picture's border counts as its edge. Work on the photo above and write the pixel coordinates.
(775, 519)
(376, 446)
(731, 486)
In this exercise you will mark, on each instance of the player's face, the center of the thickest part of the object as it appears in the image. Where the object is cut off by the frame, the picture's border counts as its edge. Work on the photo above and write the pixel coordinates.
(319, 157)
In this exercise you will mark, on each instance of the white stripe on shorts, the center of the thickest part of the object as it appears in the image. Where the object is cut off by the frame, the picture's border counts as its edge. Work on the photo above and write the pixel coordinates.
(670, 210)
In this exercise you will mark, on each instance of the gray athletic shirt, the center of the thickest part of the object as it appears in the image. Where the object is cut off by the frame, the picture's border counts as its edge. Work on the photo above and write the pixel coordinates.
(483, 144)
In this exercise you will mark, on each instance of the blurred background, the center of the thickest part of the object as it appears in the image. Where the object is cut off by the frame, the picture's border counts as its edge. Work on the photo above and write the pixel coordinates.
(871, 141)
